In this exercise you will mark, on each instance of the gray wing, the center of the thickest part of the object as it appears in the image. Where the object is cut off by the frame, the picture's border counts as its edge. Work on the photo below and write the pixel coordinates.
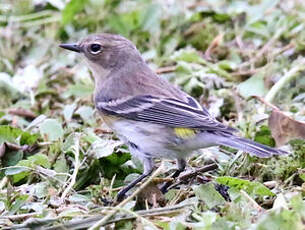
(164, 111)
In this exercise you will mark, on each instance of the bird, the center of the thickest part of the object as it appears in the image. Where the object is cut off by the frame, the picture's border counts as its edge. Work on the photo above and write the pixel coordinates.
(154, 118)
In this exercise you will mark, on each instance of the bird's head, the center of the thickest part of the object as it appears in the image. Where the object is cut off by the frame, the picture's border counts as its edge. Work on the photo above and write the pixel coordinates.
(105, 52)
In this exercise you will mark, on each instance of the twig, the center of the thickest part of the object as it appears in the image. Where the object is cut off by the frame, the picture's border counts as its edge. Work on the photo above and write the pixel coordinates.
(87, 222)
(43, 172)
(33, 223)
(111, 185)
(136, 215)
(49, 173)
(289, 76)
(166, 69)
(178, 196)
(23, 113)
(75, 150)
(34, 19)
(20, 216)
(12, 146)
(261, 52)
(203, 169)
(265, 102)
(144, 213)
(28, 17)
(52, 19)
(3, 182)
(107, 217)
(283, 49)
(186, 176)
(217, 70)
(245, 72)
(213, 67)
(251, 201)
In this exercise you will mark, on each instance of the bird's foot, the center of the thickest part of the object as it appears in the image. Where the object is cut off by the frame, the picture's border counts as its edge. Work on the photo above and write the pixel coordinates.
(165, 186)
(121, 195)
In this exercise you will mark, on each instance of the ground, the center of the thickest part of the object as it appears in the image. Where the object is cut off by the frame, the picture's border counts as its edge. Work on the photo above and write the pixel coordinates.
(62, 167)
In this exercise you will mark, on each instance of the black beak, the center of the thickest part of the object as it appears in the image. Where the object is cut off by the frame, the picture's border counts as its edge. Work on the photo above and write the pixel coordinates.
(72, 47)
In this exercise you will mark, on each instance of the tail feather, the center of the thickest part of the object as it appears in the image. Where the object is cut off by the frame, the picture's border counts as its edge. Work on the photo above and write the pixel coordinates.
(251, 147)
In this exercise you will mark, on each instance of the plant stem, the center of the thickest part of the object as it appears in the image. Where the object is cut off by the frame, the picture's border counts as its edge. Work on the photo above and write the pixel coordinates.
(75, 150)
(289, 76)
(120, 205)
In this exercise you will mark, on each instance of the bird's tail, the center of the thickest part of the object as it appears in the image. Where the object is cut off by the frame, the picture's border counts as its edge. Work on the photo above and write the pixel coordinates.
(251, 147)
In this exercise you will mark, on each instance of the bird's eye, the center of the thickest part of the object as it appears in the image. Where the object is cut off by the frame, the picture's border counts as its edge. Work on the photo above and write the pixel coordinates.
(95, 48)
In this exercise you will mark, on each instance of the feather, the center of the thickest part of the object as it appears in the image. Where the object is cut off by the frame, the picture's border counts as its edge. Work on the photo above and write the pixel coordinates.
(164, 111)
(184, 133)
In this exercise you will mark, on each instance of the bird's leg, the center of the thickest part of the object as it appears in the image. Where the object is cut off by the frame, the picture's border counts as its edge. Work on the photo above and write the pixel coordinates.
(181, 166)
(148, 165)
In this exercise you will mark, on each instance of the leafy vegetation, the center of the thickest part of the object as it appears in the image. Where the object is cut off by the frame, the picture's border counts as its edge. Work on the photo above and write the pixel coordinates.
(62, 167)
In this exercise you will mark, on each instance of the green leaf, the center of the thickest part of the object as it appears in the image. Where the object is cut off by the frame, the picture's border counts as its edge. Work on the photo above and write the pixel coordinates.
(285, 219)
(86, 113)
(36, 121)
(118, 25)
(187, 55)
(79, 90)
(51, 129)
(61, 166)
(253, 86)
(69, 143)
(263, 136)
(176, 225)
(103, 147)
(227, 65)
(79, 198)
(15, 170)
(40, 159)
(12, 158)
(124, 23)
(252, 188)
(40, 190)
(10, 134)
(302, 176)
(18, 203)
(221, 17)
(111, 165)
(21, 174)
(90, 136)
(209, 195)
(71, 9)
(151, 18)
(71, 212)
(118, 158)
(68, 111)
(8, 90)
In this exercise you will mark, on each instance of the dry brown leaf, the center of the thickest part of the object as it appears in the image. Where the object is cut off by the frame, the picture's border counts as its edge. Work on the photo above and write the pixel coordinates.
(2, 150)
(152, 194)
(23, 113)
(284, 128)
(216, 41)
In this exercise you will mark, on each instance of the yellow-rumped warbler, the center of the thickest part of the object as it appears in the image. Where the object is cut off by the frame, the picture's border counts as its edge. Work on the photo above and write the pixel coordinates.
(154, 118)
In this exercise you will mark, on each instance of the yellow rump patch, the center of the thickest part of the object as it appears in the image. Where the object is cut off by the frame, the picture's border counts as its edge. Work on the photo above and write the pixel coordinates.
(184, 132)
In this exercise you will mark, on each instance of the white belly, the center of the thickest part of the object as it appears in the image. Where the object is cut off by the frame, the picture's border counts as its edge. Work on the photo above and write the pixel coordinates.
(151, 139)
(155, 140)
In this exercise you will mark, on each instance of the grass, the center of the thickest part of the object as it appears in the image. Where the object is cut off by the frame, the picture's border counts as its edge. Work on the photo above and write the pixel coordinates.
(62, 167)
